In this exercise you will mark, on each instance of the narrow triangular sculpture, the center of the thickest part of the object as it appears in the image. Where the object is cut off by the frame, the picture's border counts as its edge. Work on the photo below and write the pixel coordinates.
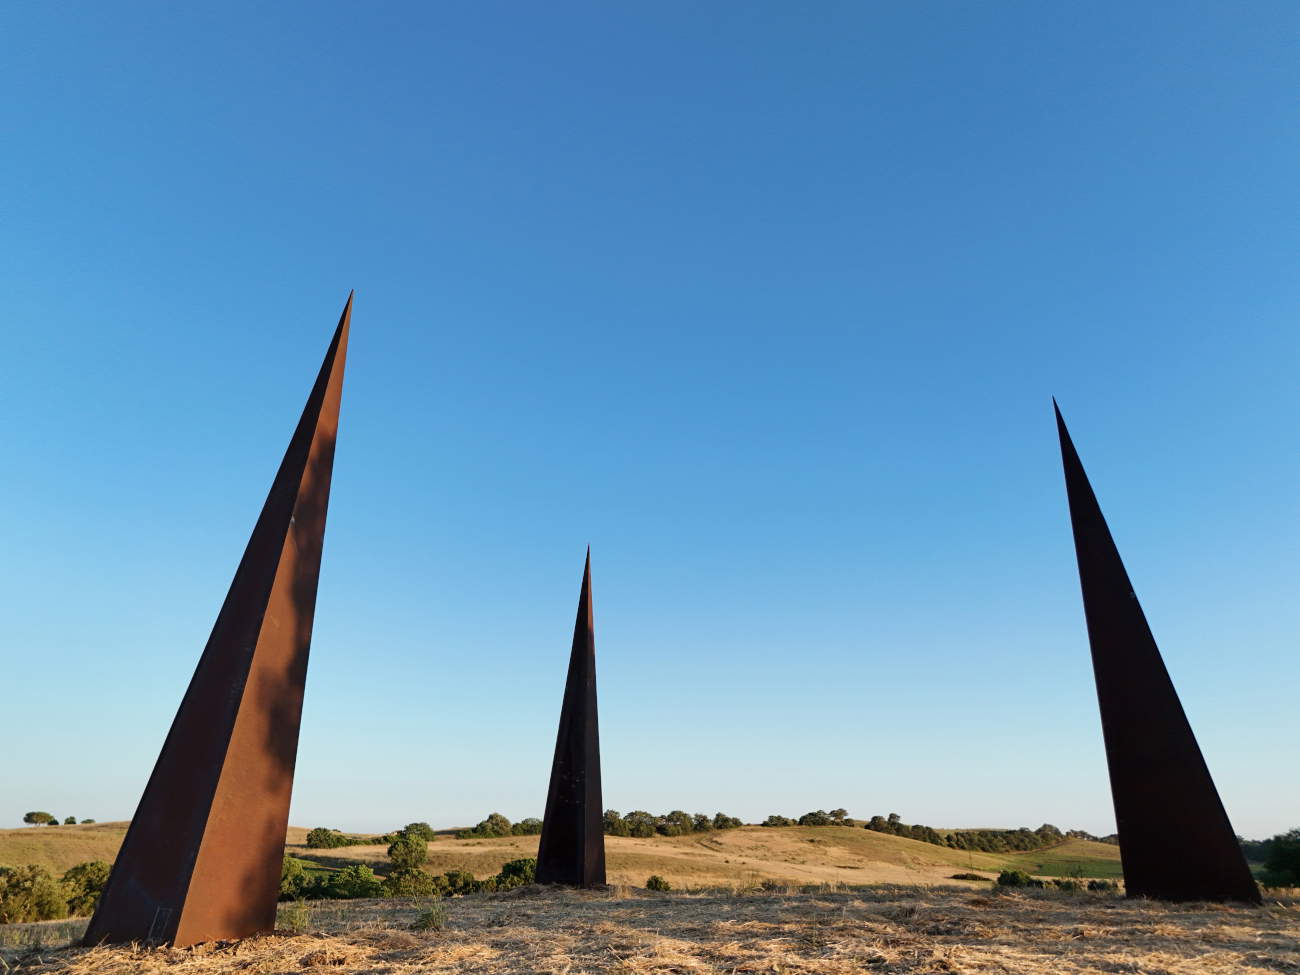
(202, 858)
(572, 848)
(1175, 839)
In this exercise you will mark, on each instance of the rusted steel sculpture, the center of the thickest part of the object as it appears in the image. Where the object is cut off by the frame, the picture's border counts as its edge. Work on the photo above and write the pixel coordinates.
(202, 858)
(572, 848)
(1174, 836)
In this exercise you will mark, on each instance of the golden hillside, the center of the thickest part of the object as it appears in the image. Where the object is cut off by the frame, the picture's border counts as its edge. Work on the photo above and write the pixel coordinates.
(796, 854)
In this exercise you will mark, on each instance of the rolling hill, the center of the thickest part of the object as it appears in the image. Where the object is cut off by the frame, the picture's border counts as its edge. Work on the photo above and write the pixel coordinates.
(751, 855)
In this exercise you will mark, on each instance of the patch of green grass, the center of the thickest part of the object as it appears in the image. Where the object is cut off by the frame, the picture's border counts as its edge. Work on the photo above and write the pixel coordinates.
(1050, 863)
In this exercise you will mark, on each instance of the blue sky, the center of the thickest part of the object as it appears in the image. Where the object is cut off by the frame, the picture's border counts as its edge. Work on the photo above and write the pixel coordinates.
(765, 302)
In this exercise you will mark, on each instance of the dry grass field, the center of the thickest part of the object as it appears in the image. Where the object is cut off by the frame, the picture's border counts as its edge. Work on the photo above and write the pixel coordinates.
(829, 931)
(795, 855)
(59, 847)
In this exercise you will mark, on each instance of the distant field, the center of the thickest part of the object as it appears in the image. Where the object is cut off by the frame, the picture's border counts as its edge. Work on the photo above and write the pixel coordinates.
(747, 856)
(59, 847)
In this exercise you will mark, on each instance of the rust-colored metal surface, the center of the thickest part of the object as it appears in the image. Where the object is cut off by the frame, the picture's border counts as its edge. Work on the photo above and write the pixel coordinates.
(201, 860)
(1175, 839)
(572, 848)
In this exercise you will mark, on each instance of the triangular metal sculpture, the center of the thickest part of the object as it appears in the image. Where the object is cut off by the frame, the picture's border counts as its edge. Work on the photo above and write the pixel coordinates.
(1175, 839)
(202, 858)
(572, 848)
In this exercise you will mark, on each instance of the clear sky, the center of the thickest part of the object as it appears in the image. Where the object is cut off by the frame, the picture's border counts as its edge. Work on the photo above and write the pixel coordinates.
(766, 302)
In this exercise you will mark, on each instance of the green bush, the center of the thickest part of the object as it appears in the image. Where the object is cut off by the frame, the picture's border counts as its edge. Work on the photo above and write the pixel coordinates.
(616, 825)
(356, 880)
(30, 893)
(460, 882)
(1017, 878)
(1282, 867)
(531, 826)
(968, 876)
(293, 879)
(322, 838)
(408, 852)
(495, 825)
(775, 820)
(423, 830)
(517, 873)
(1102, 886)
(82, 886)
(819, 818)
(656, 882)
(411, 883)
(70, 821)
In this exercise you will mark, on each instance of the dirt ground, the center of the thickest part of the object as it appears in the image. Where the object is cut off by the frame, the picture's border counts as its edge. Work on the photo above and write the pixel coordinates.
(829, 931)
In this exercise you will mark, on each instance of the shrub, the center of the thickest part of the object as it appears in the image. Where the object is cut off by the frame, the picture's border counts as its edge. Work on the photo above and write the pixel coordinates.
(531, 826)
(322, 838)
(82, 886)
(818, 818)
(517, 873)
(1282, 867)
(494, 825)
(30, 894)
(656, 882)
(1102, 885)
(1063, 883)
(423, 830)
(410, 883)
(775, 820)
(293, 878)
(968, 876)
(85, 821)
(70, 821)
(723, 821)
(356, 880)
(460, 882)
(434, 918)
(1017, 878)
(408, 852)
(616, 825)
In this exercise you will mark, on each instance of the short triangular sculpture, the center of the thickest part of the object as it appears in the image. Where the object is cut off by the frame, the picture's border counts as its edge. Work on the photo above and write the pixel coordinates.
(572, 849)
(1174, 836)
(202, 858)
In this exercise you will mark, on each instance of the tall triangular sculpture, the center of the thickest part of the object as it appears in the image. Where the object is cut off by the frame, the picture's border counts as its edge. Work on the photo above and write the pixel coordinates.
(202, 858)
(572, 848)
(1175, 839)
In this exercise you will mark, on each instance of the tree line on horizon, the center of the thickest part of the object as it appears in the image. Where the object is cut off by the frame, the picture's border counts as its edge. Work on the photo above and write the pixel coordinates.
(39, 818)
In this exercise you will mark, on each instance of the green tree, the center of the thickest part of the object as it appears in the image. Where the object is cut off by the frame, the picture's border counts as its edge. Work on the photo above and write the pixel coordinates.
(70, 821)
(422, 830)
(1282, 868)
(408, 852)
(82, 886)
(39, 818)
(616, 825)
(723, 821)
(838, 816)
(529, 826)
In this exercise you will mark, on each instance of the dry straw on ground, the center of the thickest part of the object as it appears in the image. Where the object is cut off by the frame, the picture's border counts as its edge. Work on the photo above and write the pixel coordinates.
(831, 932)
